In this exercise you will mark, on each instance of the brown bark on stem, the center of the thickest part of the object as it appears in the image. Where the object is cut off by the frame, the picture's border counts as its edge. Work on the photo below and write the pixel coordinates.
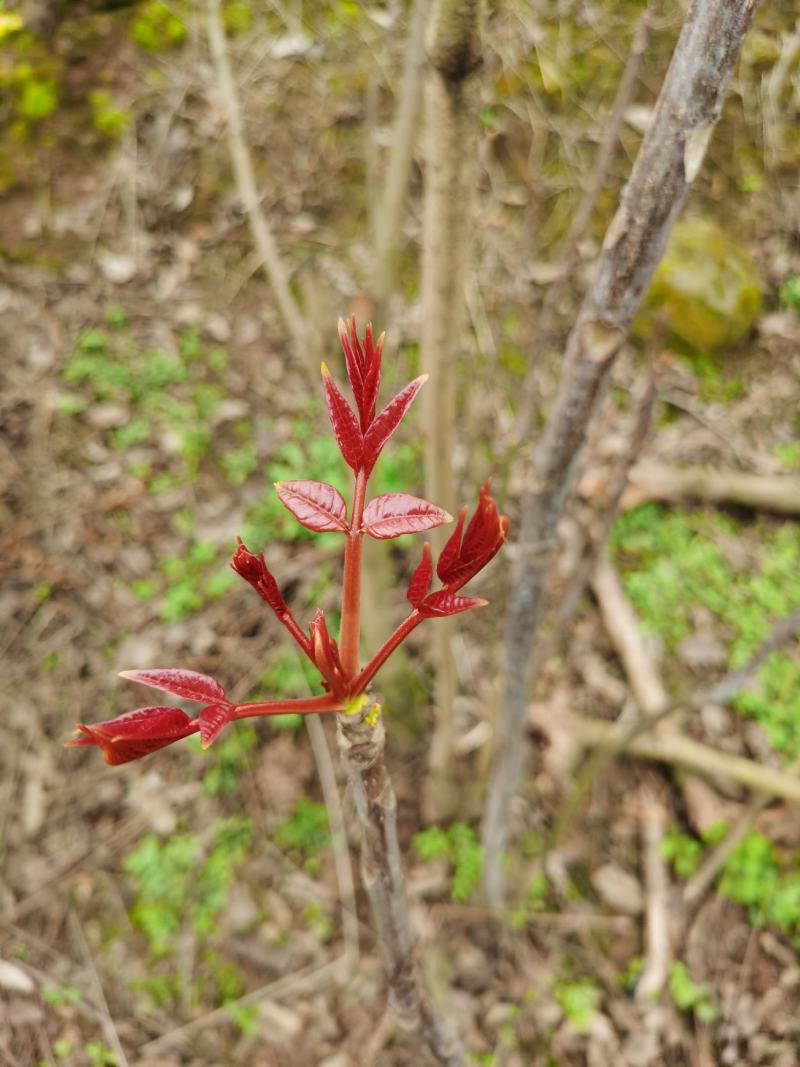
(361, 743)
(454, 54)
(669, 159)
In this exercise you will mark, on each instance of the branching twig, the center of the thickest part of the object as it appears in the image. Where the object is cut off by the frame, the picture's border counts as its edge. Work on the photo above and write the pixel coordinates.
(619, 480)
(109, 1029)
(303, 982)
(361, 743)
(668, 161)
(655, 706)
(546, 324)
(251, 202)
(704, 877)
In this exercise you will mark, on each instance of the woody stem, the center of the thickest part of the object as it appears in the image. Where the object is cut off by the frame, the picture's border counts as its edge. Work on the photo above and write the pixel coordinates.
(350, 631)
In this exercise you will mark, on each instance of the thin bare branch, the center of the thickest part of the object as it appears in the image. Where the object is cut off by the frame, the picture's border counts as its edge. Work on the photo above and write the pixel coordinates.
(705, 876)
(568, 257)
(779, 493)
(251, 202)
(668, 161)
(388, 218)
(361, 744)
(341, 853)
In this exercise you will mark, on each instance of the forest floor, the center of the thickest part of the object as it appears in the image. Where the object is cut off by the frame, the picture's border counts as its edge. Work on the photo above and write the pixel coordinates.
(185, 909)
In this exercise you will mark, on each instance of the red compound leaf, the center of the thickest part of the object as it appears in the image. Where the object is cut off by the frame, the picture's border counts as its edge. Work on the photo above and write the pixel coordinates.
(394, 514)
(344, 422)
(190, 685)
(421, 578)
(316, 505)
(461, 559)
(136, 734)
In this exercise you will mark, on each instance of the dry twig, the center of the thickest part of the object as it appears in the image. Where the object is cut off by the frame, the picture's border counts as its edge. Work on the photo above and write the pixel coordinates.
(361, 743)
(668, 162)
(764, 492)
(656, 880)
(263, 238)
(341, 853)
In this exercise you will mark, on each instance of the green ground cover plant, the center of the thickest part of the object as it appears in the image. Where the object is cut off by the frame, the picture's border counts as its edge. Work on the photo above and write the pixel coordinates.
(675, 562)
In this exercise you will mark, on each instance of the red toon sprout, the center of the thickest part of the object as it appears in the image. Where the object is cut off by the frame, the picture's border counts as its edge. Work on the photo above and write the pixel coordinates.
(361, 435)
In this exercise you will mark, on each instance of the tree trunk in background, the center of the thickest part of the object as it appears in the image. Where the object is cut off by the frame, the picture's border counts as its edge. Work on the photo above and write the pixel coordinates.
(454, 54)
(668, 162)
(389, 216)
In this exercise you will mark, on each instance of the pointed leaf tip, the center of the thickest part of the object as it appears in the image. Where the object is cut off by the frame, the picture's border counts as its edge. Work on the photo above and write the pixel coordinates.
(394, 514)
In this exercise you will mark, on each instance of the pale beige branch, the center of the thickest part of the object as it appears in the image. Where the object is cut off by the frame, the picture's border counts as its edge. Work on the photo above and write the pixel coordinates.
(341, 853)
(266, 246)
(763, 492)
(656, 880)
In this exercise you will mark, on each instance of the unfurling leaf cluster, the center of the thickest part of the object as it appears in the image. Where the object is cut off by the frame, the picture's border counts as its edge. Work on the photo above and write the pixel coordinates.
(361, 434)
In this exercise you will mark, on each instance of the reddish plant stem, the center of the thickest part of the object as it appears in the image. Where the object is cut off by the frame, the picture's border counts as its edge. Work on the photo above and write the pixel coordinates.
(288, 621)
(304, 706)
(350, 630)
(387, 648)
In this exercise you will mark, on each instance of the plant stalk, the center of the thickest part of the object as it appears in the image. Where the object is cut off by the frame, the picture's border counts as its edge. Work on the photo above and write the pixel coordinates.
(361, 744)
(350, 632)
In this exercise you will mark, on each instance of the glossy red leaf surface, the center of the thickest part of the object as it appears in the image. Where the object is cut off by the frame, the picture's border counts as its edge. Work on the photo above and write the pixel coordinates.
(442, 603)
(421, 578)
(394, 514)
(190, 685)
(363, 367)
(255, 571)
(387, 421)
(316, 505)
(463, 557)
(136, 734)
(344, 422)
(211, 721)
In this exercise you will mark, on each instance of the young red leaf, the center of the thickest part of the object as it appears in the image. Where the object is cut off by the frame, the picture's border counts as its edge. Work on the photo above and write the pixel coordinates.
(385, 423)
(363, 367)
(316, 505)
(461, 559)
(344, 422)
(211, 721)
(136, 734)
(325, 654)
(452, 548)
(443, 602)
(187, 684)
(255, 571)
(353, 356)
(394, 514)
(372, 374)
(421, 578)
